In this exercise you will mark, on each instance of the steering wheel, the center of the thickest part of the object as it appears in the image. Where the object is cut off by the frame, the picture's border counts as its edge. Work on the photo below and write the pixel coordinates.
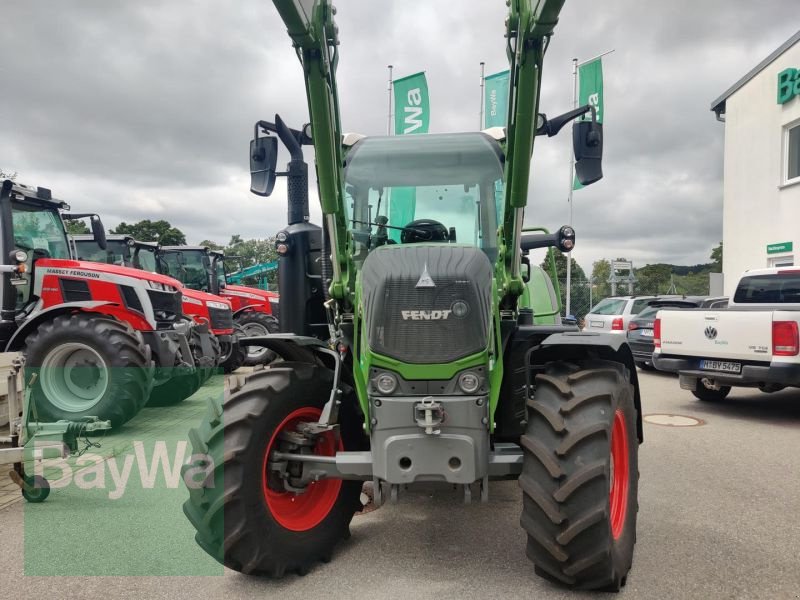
(424, 230)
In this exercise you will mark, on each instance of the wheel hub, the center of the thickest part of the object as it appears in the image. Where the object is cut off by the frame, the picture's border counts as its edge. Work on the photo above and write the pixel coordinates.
(74, 377)
(619, 477)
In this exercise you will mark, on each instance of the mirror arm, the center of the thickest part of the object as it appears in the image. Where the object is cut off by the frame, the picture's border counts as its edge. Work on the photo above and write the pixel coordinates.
(552, 126)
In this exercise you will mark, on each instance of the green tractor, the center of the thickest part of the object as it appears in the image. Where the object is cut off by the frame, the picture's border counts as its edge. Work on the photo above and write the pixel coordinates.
(411, 351)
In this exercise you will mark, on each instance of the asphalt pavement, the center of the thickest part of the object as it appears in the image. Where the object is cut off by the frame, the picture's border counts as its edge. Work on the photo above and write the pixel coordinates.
(719, 511)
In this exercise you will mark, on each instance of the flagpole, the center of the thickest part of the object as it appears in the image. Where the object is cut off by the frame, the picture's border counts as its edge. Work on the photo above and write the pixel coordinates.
(389, 116)
(568, 307)
(483, 84)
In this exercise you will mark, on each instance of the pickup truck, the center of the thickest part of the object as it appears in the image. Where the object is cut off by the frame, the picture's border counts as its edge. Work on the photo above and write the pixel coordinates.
(753, 342)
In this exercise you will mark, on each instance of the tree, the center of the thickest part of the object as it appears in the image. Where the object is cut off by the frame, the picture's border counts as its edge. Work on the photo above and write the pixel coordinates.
(716, 258)
(76, 227)
(601, 271)
(7, 175)
(579, 298)
(212, 245)
(153, 231)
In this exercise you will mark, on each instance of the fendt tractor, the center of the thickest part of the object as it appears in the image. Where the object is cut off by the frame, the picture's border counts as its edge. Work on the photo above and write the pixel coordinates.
(100, 339)
(206, 309)
(254, 310)
(430, 366)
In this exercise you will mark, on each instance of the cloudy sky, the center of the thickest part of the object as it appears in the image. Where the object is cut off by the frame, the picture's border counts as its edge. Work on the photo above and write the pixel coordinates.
(144, 109)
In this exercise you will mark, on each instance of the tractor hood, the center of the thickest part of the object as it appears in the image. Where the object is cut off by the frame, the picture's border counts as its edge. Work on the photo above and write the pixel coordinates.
(86, 269)
(249, 293)
(204, 297)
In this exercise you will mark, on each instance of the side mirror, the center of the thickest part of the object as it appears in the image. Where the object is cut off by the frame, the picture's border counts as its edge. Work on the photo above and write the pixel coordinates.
(587, 143)
(263, 158)
(98, 231)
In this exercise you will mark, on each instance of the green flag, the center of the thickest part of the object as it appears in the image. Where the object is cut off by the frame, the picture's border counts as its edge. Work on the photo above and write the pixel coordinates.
(590, 91)
(495, 100)
(411, 105)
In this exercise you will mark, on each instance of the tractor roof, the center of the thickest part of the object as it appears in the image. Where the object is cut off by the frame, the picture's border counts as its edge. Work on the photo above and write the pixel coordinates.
(39, 195)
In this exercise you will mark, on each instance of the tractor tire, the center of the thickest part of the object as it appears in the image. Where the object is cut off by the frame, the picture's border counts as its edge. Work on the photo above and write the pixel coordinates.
(237, 353)
(580, 475)
(705, 394)
(241, 519)
(182, 382)
(88, 365)
(175, 390)
(255, 323)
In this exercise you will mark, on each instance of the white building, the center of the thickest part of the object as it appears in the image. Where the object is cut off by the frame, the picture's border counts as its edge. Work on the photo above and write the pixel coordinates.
(761, 214)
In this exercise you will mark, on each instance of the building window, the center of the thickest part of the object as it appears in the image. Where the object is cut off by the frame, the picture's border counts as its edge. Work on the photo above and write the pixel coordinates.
(792, 154)
(781, 261)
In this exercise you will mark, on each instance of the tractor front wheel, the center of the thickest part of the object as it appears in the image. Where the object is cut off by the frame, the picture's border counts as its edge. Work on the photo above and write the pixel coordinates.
(580, 475)
(256, 324)
(244, 516)
(87, 364)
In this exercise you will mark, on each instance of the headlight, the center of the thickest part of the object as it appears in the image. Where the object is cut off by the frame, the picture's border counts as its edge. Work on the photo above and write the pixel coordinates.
(20, 256)
(188, 300)
(386, 383)
(161, 287)
(469, 382)
(217, 305)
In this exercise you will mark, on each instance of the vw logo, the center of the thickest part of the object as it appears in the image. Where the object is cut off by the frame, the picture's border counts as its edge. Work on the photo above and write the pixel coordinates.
(711, 333)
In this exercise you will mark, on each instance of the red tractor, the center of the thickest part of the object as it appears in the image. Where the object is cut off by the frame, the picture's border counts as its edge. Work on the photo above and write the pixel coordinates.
(206, 309)
(98, 338)
(254, 310)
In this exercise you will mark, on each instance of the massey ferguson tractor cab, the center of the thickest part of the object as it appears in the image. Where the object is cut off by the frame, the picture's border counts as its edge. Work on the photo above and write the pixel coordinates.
(92, 333)
(432, 367)
(212, 313)
(254, 310)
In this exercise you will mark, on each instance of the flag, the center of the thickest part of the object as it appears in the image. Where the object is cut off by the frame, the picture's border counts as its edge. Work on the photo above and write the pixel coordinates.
(495, 100)
(411, 105)
(411, 116)
(590, 91)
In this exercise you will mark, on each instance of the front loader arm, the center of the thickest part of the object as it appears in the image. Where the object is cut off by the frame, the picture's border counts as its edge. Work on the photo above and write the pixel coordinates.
(314, 34)
(529, 27)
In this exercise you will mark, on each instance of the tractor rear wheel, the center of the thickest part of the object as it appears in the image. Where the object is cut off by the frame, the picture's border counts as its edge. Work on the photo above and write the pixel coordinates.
(88, 365)
(243, 517)
(254, 323)
(580, 475)
(233, 353)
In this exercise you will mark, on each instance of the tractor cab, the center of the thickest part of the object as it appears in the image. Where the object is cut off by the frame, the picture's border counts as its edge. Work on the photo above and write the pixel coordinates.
(121, 250)
(424, 189)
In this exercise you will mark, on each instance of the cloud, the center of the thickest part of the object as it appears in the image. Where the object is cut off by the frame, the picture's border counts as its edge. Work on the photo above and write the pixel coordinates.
(144, 110)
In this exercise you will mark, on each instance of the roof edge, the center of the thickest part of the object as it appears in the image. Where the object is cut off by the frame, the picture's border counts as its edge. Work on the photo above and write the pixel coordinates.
(718, 105)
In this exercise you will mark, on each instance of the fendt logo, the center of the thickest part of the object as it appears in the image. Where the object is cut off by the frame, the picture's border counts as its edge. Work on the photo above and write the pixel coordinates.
(425, 315)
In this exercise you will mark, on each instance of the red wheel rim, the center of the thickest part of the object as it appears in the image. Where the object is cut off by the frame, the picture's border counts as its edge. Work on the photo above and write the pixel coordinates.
(620, 474)
(301, 512)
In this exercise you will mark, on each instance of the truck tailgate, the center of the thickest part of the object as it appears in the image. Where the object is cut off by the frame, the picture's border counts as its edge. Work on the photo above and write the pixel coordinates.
(728, 334)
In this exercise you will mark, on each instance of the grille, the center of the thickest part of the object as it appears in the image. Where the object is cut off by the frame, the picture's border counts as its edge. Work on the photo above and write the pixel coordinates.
(220, 318)
(401, 317)
(166, 306)
(75, 290)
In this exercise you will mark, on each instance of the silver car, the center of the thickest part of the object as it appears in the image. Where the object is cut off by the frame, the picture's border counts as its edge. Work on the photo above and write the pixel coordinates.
(612, 315)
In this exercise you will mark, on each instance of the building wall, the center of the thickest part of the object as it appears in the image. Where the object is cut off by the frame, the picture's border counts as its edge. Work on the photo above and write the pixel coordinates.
(758, 210)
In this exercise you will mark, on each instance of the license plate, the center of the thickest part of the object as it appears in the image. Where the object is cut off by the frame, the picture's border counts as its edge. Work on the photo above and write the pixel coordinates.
(721, 365)
(596, 323)
(647, 333)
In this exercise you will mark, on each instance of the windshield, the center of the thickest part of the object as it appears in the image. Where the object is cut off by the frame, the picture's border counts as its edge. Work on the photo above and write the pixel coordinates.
(116, 252)
(424, 188)
(188, 267)
(39, 232)
(609, 306)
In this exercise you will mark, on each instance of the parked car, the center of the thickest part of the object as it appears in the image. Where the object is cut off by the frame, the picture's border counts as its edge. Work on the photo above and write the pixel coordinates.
(612, 315)
(640, 328)
(753, 342)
